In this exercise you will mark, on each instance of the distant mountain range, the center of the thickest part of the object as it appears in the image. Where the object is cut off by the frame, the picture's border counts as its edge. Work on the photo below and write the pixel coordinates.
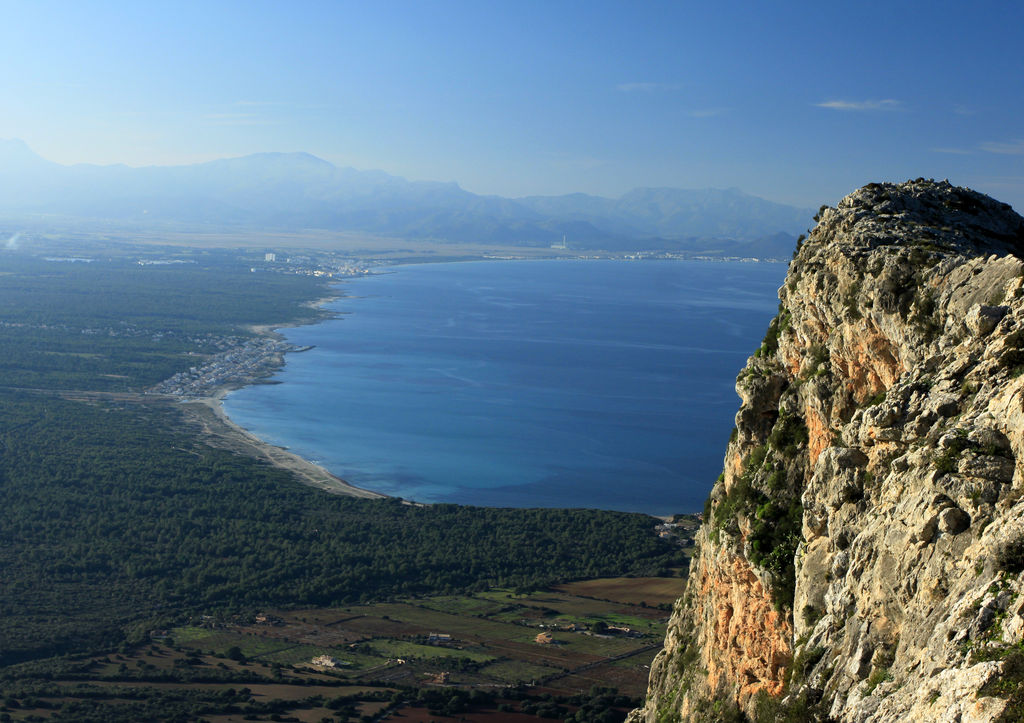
(294, 191)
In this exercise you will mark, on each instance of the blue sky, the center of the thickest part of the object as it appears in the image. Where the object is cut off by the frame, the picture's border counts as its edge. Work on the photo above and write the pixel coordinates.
(797, 102)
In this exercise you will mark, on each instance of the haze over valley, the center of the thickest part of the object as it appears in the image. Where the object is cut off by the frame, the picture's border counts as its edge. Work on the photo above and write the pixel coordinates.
(512, 361)
(290, 192)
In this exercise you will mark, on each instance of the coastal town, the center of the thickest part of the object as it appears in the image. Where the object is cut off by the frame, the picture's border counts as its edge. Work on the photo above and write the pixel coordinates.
(243, 364)
(324, 265)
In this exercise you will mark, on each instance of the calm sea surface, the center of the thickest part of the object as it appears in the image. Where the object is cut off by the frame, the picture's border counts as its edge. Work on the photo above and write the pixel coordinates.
(524, 384)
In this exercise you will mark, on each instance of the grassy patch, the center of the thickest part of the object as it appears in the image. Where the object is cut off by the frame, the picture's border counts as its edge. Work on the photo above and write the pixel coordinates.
(220, 642)
(630, 590)
(402, 649)
(819, 356)
(1009, 683)
(877, 677)
(775, 521)
(946, 460)
(789, 435)
(852, 302)
(776, 326)
(1011, 557)
(515, 671)
(464, 605)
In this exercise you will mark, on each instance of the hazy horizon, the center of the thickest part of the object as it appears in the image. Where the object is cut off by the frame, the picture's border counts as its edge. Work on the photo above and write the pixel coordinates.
(795, 105)
(367, 171)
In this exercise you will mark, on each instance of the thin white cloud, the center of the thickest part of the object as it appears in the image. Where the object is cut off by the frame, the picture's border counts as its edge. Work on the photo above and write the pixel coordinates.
(1013, 148)
(645, 87)
(277, 106)
(963, 110)
(861, 105)
(706, 112)
(953, 151)
(239, 119)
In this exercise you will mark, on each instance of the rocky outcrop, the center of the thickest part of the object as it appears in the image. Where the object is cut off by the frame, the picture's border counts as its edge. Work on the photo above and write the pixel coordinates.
(861, 554)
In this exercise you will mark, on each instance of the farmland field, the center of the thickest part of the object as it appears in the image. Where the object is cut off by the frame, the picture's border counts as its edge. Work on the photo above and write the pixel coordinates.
(498, 646)
(633, 590)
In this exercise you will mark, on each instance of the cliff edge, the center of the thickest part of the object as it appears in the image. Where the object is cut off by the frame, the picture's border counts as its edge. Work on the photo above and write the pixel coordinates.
(861, 553)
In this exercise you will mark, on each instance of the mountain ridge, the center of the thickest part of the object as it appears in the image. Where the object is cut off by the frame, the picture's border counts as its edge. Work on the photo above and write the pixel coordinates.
(296, 190)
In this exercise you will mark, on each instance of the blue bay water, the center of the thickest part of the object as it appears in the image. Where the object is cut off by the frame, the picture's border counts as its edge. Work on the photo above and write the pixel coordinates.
(605, 384)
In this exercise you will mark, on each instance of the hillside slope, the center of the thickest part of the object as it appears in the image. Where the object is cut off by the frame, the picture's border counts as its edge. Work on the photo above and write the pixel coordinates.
(861, 554)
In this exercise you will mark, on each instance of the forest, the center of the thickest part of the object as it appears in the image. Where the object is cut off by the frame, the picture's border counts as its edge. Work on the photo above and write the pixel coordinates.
(117, 519)
(110, 518)
(117, 325)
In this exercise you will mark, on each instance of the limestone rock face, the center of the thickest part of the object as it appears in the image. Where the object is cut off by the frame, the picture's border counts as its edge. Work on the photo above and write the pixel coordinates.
(861, 554)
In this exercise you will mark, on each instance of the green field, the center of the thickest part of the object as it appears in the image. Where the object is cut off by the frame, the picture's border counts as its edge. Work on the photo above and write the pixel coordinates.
(264, 670)
(487, 639)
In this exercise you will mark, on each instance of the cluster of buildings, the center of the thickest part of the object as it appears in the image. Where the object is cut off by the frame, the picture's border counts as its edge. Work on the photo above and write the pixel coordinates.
(329, 266)
(241, 365)
(681, 530)
(599, 629)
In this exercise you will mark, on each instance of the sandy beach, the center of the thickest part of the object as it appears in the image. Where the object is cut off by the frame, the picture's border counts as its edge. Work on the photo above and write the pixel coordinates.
(217, 429)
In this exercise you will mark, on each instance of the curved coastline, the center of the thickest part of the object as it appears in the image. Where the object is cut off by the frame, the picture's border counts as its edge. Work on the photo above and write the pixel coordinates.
(276, 346)
(219, 430)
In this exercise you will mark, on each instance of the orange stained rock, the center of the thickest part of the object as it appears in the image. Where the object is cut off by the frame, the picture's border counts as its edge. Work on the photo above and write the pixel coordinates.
(868, 360)
(736, 465)
(819, 435)
(747, 645)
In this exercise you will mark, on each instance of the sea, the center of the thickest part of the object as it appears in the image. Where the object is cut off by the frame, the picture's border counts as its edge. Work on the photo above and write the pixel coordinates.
(572, 383)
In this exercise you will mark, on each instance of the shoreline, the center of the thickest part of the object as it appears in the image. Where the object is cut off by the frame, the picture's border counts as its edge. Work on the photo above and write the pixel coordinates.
(219, 430)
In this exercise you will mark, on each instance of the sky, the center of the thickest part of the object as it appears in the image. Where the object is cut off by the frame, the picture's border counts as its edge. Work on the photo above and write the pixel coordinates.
(797, 102)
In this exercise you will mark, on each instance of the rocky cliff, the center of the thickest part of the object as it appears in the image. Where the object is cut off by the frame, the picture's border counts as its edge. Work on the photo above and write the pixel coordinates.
(862, 551)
